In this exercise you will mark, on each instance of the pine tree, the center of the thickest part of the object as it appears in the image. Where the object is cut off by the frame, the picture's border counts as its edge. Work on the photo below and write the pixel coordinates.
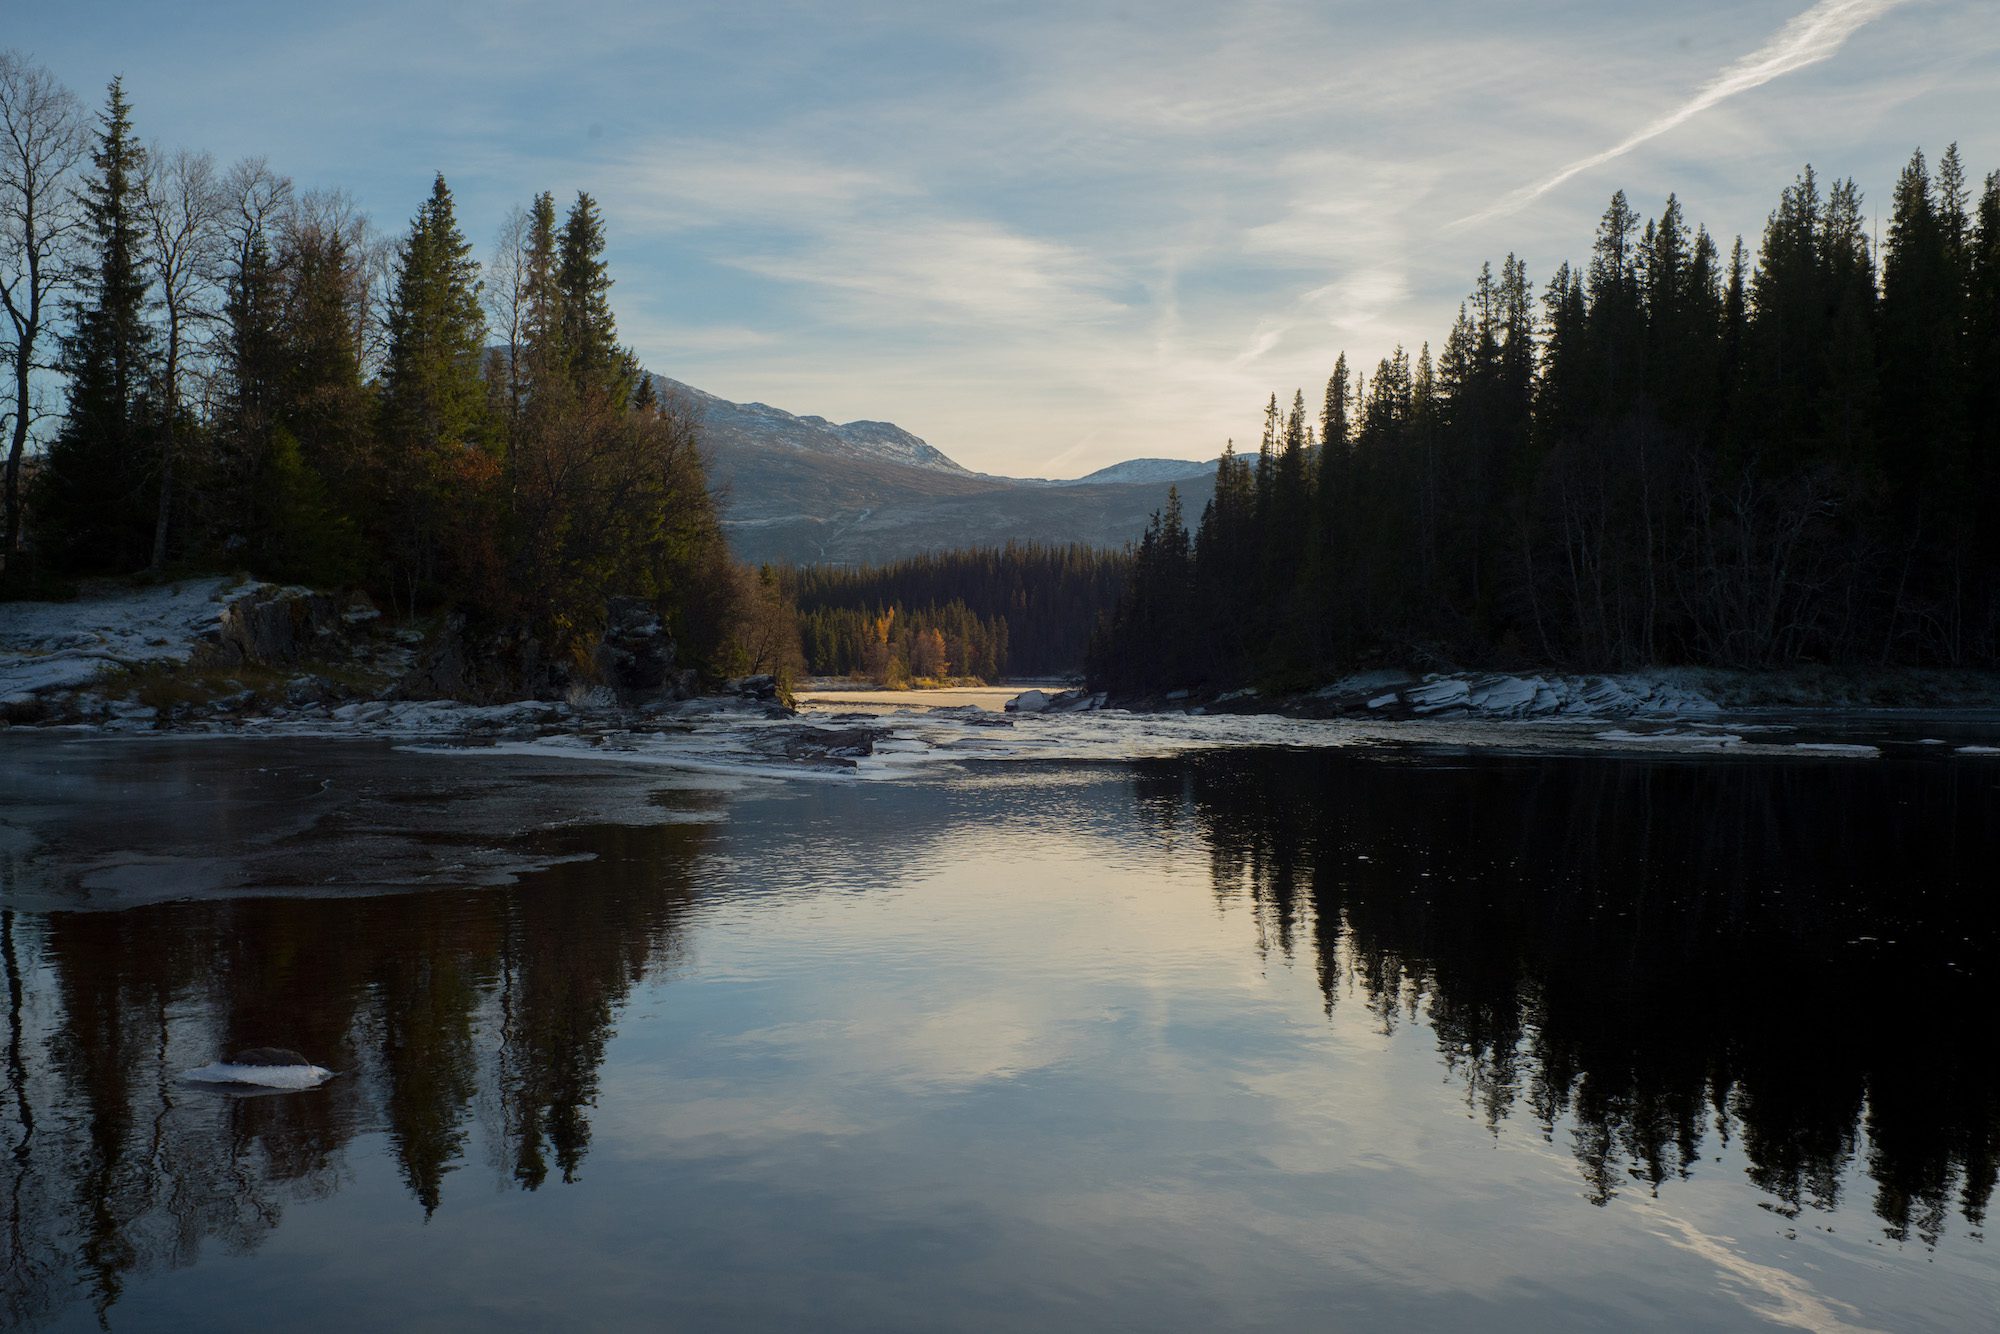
(1336, 429)
(1925, 282)
(543, 347)
(95, 493)
(1982, 411)
(589, 332)
(322, 403)
(438, 433)
(1616, 323)
(1291, 500)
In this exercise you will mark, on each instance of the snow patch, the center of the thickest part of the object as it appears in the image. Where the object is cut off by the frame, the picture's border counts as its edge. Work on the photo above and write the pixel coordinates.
(47, 646)
(1506, 696)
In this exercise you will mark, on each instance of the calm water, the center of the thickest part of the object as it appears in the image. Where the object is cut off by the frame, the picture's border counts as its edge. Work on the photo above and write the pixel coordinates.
(1246, 1040)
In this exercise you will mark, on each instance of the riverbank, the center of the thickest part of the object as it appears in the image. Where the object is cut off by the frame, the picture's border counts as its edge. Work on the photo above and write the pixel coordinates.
(223, 658)
(1657, 693)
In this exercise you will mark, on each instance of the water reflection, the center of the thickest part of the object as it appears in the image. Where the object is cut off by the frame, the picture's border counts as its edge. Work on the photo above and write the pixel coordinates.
(1652, 957)
(946, 1034)
(438, 1007)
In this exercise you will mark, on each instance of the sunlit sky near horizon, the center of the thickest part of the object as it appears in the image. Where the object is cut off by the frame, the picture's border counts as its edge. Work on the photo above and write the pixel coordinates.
(1047, 237)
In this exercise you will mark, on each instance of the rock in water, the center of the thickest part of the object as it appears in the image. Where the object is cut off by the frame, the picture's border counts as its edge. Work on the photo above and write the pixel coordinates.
(830, 743)
(263, 1067)
(1028, 701)
(268, 1056)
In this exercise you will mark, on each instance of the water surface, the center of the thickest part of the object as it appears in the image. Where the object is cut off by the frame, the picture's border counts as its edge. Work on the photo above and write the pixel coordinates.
(1257, 1039)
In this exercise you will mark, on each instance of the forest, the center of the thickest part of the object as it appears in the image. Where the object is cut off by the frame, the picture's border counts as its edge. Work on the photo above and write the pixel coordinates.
(1023, 610)
(1667, 456)
(252, 377)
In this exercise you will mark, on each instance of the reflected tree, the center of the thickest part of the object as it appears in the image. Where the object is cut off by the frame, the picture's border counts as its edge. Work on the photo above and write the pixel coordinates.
(1644, 956)
(435, 1006)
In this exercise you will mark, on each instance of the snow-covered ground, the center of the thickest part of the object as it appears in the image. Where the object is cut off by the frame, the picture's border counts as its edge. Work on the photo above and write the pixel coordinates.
(1641, 695)
(47, 646)
(62, 652)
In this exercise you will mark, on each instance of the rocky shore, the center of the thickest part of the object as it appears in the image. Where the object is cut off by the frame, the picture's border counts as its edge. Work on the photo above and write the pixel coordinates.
(234, 655)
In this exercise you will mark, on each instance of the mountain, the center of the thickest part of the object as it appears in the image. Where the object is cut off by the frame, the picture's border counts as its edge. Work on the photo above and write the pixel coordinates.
(729, 424)
(1145, 470)
(804, 489)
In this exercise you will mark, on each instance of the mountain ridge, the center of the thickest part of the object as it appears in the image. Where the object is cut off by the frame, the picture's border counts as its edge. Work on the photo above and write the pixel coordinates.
(801, 489)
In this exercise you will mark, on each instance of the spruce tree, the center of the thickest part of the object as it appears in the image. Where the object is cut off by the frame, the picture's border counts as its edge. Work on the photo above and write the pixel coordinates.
(589, 331)
(433, 398)
(542, 346)
(1335, 427)
(95, 493)
(438, 434)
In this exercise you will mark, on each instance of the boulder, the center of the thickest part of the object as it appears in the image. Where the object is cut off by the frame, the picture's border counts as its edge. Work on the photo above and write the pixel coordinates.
(636, 655)
(1028, 701)
(303, 690)
(275, 625)
(442, 667)
(752, 687)
(268, 1056)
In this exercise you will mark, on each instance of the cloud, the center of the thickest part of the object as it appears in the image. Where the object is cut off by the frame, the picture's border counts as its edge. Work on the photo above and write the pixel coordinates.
(1050, 236)
(1808, 39)
(968, 271)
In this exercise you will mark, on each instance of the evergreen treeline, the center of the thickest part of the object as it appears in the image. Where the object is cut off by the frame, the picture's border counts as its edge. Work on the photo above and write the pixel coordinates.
(1021, 610)
(254, 380)
(1670, 456)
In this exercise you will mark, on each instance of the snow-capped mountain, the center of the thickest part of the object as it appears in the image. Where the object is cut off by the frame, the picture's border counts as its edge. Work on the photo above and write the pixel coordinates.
(802, 488)
(728, 422)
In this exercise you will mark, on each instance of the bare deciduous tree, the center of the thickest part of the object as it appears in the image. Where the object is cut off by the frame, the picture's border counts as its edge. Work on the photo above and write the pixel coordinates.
(43, 140)
(183, 208)
(507, 307)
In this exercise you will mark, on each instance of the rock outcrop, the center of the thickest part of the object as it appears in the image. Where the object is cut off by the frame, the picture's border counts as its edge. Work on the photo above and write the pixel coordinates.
(274, 626)
(636, 656)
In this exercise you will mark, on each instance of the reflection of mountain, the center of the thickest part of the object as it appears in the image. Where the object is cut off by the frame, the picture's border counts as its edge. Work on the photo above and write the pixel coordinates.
(1653, 954)
(440, 1008)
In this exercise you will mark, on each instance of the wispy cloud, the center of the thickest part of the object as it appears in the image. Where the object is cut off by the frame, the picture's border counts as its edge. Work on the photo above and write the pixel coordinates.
(1048, 235)
(1808, 39)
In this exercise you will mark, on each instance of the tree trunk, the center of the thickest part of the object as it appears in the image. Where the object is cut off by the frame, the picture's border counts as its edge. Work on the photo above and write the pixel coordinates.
(15, 448)
(167, 446)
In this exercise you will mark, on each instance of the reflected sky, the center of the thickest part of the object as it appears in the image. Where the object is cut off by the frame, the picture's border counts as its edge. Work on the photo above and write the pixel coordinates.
(1249, 1040)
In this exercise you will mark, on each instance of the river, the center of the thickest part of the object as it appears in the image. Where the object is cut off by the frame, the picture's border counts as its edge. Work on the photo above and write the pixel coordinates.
(1244, 1038)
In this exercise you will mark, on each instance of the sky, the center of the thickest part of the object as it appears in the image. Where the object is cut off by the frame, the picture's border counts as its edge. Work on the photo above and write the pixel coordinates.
(1047, 237)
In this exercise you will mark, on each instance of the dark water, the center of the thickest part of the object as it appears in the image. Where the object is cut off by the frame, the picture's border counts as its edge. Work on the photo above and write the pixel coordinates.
(1284, 1040)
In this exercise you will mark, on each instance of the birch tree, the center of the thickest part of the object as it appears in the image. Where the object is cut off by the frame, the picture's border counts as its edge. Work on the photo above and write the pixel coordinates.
(43, 143)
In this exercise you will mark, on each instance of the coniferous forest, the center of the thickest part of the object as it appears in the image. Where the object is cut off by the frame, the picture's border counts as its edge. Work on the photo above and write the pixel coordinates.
(254, 378)
(1024, 610)
(1666, 455)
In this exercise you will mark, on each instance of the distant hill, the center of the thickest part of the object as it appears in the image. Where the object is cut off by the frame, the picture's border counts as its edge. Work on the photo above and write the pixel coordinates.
(1146, 470)
(804, 489)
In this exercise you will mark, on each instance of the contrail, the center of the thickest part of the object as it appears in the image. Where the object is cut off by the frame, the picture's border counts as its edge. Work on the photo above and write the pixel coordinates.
(1808, 39)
